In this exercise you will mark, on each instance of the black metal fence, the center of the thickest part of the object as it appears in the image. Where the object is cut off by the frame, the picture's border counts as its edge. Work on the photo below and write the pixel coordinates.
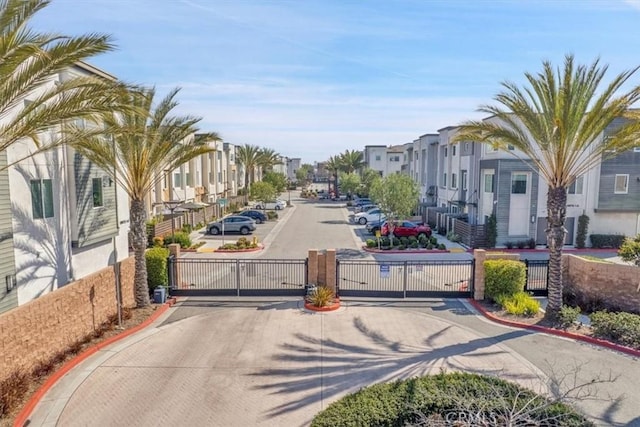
(537, 276)
(236, 277)
(405, 279)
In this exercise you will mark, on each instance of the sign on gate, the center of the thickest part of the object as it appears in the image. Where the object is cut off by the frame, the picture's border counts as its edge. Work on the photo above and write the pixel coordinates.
(385, 270)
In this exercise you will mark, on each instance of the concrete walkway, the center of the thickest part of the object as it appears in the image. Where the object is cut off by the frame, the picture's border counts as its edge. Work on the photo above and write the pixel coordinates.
(239, 362)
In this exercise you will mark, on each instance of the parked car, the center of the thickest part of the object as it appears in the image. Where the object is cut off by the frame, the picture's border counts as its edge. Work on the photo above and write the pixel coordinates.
(406, 229)
(363, 218)
(257, 216)
(276, 204)
(364, 208)
(362, 201)
(232, 224)
(375, 225)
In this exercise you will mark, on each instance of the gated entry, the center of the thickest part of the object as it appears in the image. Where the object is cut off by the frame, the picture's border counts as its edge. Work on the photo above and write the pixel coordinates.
(237, 277)
(405, 279)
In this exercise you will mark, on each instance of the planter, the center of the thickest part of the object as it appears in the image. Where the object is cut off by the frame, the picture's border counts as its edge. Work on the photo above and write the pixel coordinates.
(333, 307)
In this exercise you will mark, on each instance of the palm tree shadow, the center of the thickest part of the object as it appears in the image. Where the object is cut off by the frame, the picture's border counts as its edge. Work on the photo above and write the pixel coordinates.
(324, 369)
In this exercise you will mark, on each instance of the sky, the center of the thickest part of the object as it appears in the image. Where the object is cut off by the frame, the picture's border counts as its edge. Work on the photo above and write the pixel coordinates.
(312, 78)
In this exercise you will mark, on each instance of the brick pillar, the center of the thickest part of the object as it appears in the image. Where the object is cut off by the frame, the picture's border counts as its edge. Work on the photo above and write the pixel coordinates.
(312, 266)
(174, 249)
(479, 255)
(322, 269)
(330, 268)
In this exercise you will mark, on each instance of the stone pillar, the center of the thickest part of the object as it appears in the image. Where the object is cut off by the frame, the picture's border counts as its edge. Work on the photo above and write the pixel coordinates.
(174, 249)
(479, 255)
(322, 269)
(312, 267)
(330, 263)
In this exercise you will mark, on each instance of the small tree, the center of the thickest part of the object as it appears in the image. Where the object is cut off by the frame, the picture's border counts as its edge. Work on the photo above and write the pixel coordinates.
(263, 192)
(583, 228)
(630, 250)
(492, 231)
(277, 180)
(349, 182)
(369, 178)
(397, 196)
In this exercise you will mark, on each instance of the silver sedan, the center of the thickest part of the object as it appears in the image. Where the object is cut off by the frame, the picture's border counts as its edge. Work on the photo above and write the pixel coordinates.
(232, 224)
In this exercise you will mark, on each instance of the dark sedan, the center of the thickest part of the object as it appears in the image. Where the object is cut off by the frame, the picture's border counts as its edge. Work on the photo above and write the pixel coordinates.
(257, 216)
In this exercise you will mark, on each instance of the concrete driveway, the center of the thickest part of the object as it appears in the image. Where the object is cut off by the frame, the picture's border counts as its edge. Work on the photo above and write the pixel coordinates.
(240, 363)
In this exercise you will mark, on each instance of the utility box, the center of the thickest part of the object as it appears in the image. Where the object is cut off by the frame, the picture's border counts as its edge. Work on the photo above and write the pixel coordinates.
(160, 295)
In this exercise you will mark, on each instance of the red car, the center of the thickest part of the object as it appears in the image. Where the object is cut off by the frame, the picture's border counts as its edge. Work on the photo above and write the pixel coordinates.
(406, 229)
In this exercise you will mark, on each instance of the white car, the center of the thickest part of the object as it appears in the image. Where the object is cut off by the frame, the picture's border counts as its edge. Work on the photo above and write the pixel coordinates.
(363, 218)
(276, 204)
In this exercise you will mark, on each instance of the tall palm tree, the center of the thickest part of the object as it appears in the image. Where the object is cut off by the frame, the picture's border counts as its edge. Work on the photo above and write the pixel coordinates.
(351, 161)
(268, 158)
(333, 165)
(29, 62)
(142, 142)
(557, 121)
(248, 155)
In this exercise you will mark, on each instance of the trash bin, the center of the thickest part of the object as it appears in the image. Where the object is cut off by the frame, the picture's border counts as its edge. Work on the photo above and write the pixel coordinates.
(160, 295)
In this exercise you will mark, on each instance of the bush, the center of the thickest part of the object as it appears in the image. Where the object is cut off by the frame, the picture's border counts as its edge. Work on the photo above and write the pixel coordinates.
(322, 296)
(508, 245)
(503, 277)
(453, 237)
(429, 246)
(187, 228)
(385, 241)
(630, 250)
(404, 241)
(414, 245)
(531, 243)
(521, 244)
(519, 304)
(423, 240)
(272, 215)
(179, 237)
(568, 316)
(623, 328)
(492, 231)
(442, 247)
(371, 243)
(158, 242)
(413, 239)
(416, 401)
(607, 240)
(157, 267)
(583, 227)
(433, 240)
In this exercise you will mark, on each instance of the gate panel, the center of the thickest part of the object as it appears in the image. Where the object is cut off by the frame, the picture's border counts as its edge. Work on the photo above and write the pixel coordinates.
(272, 277)
(366, 278)
(537, 277)
(201, 277)
(440, 278)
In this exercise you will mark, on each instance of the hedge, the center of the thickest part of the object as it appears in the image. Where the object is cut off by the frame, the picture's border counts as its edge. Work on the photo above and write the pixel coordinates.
(444, 397)
(622, 328)
(503, 277)
(606, 240)
(157, 267)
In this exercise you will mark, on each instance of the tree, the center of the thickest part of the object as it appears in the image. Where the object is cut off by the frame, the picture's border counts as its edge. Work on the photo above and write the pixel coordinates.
(397, 195)
(263, 192)
(28, 61)
(302, 174)
(351, 161)
(248, 156)
(557, 122)
(267, 159)
(369, 178)
(349, 182)
(333, 166)
(630, 250)
(142, 142)
(277, 180)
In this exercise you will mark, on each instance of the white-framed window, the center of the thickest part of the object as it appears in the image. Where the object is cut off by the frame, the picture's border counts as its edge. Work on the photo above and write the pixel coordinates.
(96, 192)
(177, 179)
(621, 185)
(463, 178)
(454, 180)
(41, 198)
(576, 186)
(377, 157)
(446, 151)
(488, 183)
(519, 183)
(219, 176)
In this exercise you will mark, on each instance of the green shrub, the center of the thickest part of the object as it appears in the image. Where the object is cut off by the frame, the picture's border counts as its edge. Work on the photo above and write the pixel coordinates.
(413, 239)
(272, 215)
(622, 328)
(568, 316)
(322, 296)
(371, 243)
(531, 243)
(404, 241)
(414, 245)
(521, 244)
(453, 237)
(630, 250)
(401, 247)
(442, 246)
(433, 240)
(423, 240)
(429, 246)
(385, 241)
(583, 227)
(607, 240)
(158, 242)
(503, 277)
(492, 231)
(157, 267)
(187, 228)
(179, 237)
(519, 304)
(508, 245)
(418, 400)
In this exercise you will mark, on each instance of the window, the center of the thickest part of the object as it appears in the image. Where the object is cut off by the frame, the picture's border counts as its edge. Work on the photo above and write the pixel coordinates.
(510, 147)
(377, 158)
(453, 150)
(219, 176)
(488, 183)
(636, 149)
(621, 184)
(576, 186)
(394, 158)
(445, 151)
(464, 180)
(219, 155)
(416, 156)
(519, 183)
(96, 192)
(177, 181)
(189, 182)
(454, 180)
(41, 198)
(444, 180)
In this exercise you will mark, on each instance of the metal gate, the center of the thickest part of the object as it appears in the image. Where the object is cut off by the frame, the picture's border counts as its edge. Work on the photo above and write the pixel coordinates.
(405, 279)
(236, 277)
(537, 277)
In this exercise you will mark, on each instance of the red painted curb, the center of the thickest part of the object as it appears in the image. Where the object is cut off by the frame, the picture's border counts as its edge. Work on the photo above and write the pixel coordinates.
(558, 332)
(335, 306)
(23, 417)
(406, 251)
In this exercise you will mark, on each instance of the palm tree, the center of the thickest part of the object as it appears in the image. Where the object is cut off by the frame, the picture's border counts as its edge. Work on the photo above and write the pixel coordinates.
(142, 142)
(29, 63)
(333, 165)
(557, 122)
(351, 161)
(247, 155)
(268, 158)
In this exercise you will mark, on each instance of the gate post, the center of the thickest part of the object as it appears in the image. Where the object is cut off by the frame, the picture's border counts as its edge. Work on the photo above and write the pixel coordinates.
(330, 266)
(174, 277)
(479, 255)
(405, 276)
(312, 270)
(238, 277)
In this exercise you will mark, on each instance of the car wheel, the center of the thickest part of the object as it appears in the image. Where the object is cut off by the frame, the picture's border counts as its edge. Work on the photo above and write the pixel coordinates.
(259, 221)
(244, 231)
(214, 231)
(362, 221)
(278, 207)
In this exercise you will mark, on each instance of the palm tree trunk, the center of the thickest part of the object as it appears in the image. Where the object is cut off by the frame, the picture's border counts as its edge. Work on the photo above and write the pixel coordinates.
(137, 214)
(556, 215)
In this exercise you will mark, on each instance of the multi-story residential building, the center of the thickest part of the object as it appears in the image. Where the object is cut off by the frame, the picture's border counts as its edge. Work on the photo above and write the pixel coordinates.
(61, 217)
(385, 160)
(293, 165)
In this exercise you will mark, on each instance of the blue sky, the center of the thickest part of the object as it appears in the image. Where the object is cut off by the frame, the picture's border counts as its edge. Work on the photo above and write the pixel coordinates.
(311, 78)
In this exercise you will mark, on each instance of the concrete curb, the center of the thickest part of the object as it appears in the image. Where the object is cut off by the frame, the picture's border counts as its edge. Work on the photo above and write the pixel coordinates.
(405, 251)
(557, 332)
(23, 417)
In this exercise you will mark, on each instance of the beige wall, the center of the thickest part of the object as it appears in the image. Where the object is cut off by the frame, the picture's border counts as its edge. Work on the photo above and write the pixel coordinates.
(36, 331)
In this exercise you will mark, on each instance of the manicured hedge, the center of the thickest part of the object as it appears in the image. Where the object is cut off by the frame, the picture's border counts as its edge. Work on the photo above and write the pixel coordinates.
(607, 240)
(446, 397)
(157, 267)
(503, 277)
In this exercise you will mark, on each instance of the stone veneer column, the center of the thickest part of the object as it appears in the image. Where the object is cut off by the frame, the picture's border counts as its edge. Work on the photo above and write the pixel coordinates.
(312, 267)
(330, 268)
(479, 255)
